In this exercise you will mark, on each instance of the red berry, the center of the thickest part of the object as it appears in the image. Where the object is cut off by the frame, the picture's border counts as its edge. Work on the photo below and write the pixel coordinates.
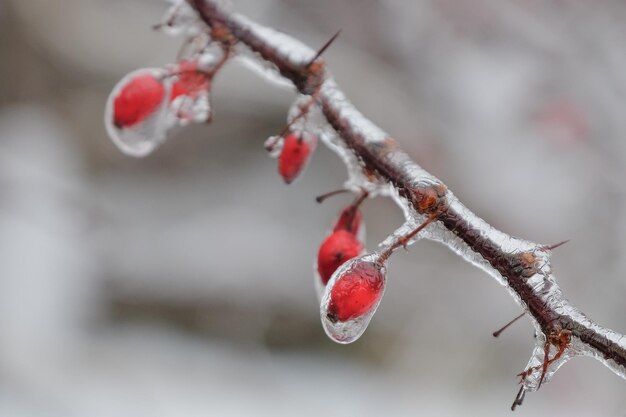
(356, 292)
(349, 220)
(339, 247)
(293, 157)
(137, 100)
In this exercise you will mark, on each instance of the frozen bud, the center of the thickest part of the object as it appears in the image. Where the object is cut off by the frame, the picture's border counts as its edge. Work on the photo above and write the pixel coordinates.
(189, 99)
(135, 111)
(352, 297)
(191, 80)
(295, 155)
(339, 247)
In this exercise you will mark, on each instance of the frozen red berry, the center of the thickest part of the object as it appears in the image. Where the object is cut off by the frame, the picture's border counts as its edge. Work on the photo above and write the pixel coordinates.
(339, 247)
(137, 100)
(294, 156)
(356, 292)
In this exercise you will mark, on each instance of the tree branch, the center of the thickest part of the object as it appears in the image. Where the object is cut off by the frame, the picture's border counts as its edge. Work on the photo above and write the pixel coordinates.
(522, 266)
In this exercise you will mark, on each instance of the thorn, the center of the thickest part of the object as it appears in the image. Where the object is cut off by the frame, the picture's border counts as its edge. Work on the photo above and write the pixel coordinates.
(556, 245)
(323, 197)
(497, 332)
(324, 48)
(519, 398)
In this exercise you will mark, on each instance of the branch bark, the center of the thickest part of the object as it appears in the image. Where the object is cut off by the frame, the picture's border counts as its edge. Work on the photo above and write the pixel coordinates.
(523, 267)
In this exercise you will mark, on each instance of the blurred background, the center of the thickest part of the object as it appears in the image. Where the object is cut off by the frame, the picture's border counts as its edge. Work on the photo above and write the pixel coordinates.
(182, 284)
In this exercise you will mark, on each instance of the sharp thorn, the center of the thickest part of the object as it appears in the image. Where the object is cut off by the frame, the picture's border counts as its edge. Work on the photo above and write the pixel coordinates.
(519, 398)
(498, 332)
(556, 245)
(323, 197)
(324, 48)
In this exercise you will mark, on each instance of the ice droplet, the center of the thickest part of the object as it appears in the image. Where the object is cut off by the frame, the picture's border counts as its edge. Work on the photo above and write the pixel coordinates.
(352, 297)
(135, 115)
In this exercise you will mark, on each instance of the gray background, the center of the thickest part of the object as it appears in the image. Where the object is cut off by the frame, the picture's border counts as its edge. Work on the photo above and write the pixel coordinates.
(181, 284)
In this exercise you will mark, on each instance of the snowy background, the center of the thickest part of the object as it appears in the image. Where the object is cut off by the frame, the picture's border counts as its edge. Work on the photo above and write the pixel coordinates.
(181, 284)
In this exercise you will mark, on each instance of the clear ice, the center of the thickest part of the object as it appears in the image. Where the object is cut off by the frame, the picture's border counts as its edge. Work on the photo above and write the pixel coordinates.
(348, 331)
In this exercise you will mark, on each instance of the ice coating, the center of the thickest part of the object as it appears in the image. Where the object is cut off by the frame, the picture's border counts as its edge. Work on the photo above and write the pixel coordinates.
(478, 243)
(598, 332)
(593, 335)
(184, 97)
(360, 125)
(286, 46)
(375, 163)
(265, 70)
(196, 108)
(141, 138)
(345, 319)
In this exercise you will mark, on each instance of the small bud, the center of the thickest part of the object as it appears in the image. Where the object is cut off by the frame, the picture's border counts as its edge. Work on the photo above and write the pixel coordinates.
(190, 82)
(295, 155)
(189, 98)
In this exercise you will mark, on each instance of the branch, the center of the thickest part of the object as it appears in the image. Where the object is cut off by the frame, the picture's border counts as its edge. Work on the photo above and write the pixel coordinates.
(378, 166)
